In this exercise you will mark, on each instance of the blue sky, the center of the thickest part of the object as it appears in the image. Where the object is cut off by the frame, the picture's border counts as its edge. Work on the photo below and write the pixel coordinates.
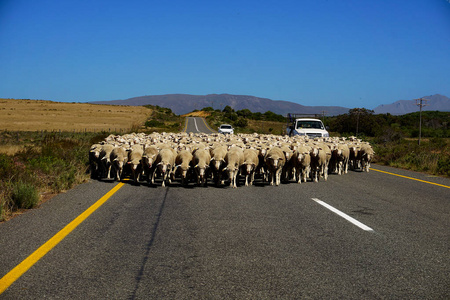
(354, 53)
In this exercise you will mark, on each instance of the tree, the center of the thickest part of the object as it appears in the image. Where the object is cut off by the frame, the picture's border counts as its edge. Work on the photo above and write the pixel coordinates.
(228, 109)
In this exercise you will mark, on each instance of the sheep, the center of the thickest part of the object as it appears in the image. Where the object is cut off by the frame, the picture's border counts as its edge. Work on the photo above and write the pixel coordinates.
(234, 159)
(148, 159)
(275, 160)
(366, 154)
(105, 156)
(218, 163)
(135, 161)
(319, 162)
(249, 165)
(289, 165)
(182, 163)
(165, 161)
(343, 158)
(302, 163)
(354, 157)
(119, 157)
(295, 162)
(94, 160)
(201, 161)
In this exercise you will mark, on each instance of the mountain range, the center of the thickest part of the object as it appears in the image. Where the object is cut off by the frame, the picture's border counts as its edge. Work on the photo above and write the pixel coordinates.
(183, 103)
(401, 107)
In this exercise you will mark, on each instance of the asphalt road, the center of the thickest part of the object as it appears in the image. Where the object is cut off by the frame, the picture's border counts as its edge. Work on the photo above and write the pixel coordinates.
(197, 125)
(258, 242)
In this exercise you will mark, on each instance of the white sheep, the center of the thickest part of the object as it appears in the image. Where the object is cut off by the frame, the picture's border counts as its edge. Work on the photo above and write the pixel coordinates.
(165, 163)
(201, 161)
(275, 160)
(366, 154)
(319, 161)
(217, 164)
(302, 162)
(119, 157)
(105, 156)
(249, 165)
(182, 163)
(94, 160)
(234, 160)
(135, 161)
(148, 159)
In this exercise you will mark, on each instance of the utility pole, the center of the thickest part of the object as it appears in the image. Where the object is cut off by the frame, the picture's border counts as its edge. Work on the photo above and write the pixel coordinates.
(358, 111)
(420, 103)
(323, 116)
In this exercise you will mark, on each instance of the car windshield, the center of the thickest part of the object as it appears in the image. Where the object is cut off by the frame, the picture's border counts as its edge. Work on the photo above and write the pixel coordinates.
(309, 124)
(225, 126)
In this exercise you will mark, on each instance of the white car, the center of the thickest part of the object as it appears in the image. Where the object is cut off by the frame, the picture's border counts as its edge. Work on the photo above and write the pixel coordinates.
(226, 129)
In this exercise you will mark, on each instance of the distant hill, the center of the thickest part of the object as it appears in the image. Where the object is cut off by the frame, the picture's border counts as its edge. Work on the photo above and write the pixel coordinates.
(183, 103)
(401, 107)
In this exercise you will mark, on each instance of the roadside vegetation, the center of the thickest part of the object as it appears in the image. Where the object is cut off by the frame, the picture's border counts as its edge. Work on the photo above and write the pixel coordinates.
(162, 119)
(34, 165)
(395, 138)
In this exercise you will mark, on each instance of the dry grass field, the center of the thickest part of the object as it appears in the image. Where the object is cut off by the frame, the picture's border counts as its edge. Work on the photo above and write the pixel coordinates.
(37, 115)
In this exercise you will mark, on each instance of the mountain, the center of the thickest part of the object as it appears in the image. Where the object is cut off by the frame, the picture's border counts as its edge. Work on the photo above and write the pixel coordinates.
(182, 104)
(401, 107)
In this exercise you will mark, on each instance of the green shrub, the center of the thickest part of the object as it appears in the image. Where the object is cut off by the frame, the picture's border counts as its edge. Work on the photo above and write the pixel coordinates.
(154, 123)
(24, 195)
(443, 165)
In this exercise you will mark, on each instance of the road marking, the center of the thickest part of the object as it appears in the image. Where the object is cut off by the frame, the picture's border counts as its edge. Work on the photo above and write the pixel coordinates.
(343, 215)
(446, 186)
(185, 125)
(25, 265)
(195, 123)
(207, 126)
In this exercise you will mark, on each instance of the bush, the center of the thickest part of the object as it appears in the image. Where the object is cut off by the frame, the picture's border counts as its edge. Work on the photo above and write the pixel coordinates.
(154, 123)
(241, 122)
(443, 165)
(24, 195)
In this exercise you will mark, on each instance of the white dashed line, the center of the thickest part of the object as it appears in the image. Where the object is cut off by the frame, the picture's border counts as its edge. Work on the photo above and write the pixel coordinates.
(343, 215)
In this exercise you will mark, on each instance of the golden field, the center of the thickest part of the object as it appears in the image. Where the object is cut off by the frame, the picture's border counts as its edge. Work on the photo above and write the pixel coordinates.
(38, 115)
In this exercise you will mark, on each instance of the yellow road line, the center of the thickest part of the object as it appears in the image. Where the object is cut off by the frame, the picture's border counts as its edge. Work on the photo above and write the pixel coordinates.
(446, 186)
(25, 265)
(185, 125)
(207, 126)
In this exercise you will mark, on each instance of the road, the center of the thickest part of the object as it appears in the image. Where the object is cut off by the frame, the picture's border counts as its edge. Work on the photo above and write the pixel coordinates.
(197, 125)
(369, 235)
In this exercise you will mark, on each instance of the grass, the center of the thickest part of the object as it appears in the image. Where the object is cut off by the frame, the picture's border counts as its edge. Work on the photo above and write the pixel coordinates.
(432, 156)
(53, 164)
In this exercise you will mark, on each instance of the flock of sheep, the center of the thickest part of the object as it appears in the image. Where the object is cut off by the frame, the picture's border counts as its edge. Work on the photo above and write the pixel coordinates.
(190, 157)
